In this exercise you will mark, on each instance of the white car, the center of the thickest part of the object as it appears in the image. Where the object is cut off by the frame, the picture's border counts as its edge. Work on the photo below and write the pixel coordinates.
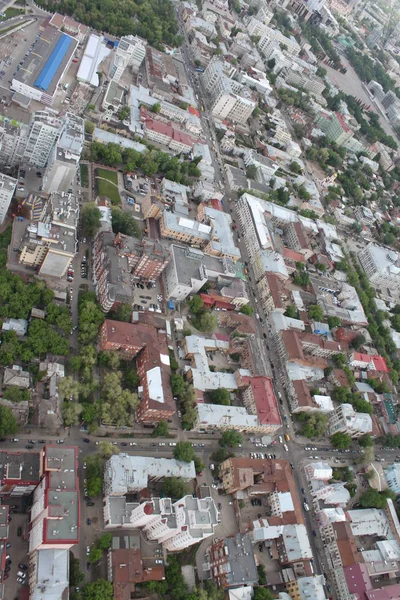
(84, 465)
(21, 574)
(87, 550)
(286, 448)
(132, 443)
(172, 444)
(280, 439)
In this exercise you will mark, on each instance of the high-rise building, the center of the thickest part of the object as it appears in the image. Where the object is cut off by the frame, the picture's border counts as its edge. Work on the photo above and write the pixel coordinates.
(7, 189)
(54, 526)
(344, 419)
(65, 154)
(131, 51)
(44, 130)
(13, 138)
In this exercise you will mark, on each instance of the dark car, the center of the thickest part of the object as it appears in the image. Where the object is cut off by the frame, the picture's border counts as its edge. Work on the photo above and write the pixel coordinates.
(314, 533)
(41, 441)
(29, 446)
(31, 441)
(89, 503)
(6, 576)
(7, 569)
(87, 499)
(88, 566)
(124, 444)
(22, 566)
(89, 521)
(19, 531)
(303, 491)
(86, 440)
(8, 545)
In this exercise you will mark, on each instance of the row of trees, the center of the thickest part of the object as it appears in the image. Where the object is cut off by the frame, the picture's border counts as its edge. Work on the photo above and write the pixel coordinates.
(150, 162)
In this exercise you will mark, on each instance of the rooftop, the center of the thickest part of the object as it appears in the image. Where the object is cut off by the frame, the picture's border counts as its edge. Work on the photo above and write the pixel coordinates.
(16, 467)
(125, 473)
(264, 396)
(240, 566)
(221, 416)
(191, 263)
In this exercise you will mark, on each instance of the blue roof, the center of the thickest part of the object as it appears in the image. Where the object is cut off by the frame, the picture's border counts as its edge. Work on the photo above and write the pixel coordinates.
(53, 62)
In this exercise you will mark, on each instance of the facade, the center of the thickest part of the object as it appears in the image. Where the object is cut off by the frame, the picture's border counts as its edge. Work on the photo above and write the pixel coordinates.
(13, 138)
(44, 130)
(149, 346)
(230, 562)
(392, 474)
(119, 261)
(334, 127)
(7, 189)
(55, 523)
(344, 419)
(130, 52)
(381, 265)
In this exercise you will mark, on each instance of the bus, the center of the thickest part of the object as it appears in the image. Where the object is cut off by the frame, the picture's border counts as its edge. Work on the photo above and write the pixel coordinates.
(199, 69)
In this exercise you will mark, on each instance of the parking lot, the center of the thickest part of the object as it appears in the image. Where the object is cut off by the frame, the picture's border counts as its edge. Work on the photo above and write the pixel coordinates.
(145, 298)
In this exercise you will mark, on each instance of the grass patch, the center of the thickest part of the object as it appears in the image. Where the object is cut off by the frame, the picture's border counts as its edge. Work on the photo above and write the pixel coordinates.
(12, 12)
(84, 175)
(106, 188)
(106, 174)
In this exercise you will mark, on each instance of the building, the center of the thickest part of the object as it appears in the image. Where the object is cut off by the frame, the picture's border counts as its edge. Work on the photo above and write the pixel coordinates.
(65, 154)
(49, 240)
(13, 137)
(149, 346)
(382, 266)
(260, 400)
(274, 36)
(43, 68)
(307, 588)
(44, 129)
(296, 239)
(230, 562)
(392, 474)
(215, 417)
(95, 52)
(131, 561)
(20, 473)
(181, 229)
(344, 419)
(334, 127)
(130, 52)
(120, 261)
(7, 189)
(20, 326)
(55, 523)
(189, 269)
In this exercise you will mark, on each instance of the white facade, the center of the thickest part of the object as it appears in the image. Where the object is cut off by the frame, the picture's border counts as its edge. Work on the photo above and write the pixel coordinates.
(44, 129)
(345, 420)
(130, 52)
(381, 265)
(7, 189)
(13, 138)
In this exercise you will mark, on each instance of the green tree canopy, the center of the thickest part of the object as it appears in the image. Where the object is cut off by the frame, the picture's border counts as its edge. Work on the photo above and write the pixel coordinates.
(230, 438)
(160, 430)
(246, 309)
(107, 449)
(125, 223)
(174, 487)
(90, 217)
(333, 322)
(184, 451)
(8, 424)
(177, 384)
(315, 312)
(374, 499)
(341, 440)
(365, 441)
(195, 304)
(99, 590)
(220, 396)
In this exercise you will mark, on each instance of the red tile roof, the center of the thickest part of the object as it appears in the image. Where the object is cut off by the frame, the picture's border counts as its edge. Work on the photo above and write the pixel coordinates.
(380, 364)
(293, 255)
(264, 397)
(193, 111)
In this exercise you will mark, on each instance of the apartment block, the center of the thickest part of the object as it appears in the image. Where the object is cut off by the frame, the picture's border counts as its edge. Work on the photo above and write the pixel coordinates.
(7, 189)
(149, 346)
(381, 266)
(345, 419)
(44, 130)
(259, 399)
(334, 126)
(120, 261)
(55, 523)
(13, 138)
(230, 562)
(130, 52)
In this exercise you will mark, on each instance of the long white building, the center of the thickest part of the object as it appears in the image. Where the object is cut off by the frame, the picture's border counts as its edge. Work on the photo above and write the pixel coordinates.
(7, 189)
(381, 265)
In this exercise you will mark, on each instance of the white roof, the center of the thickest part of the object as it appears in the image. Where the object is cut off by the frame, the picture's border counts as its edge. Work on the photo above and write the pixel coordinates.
(273, 262)
(95, 52)
(154, 384)
(296, 542)
(320, 470)
(52, 575)
(356, 421)
(280, 321)
(285, 501)
(297, 371)
(325, 403)
(331, 515)
(312, 588)
(124, 472)
(242, 593)
(221, 416)
(369, 521)
(222, 235)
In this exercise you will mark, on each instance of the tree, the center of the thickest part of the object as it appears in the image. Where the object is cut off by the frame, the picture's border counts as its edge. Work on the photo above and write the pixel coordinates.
(123, 112)
(230, 438)
(8, 423)
(94, 474)
(156, 107)
(198, 464)
(321, 71)
(123, 312)
(365, 441)
(95, 555)
(262, 575)
(358, 341)
(70, 413)
(291, 311)
(374, 499)
(125, 223)
(206, 322)
(220, 396)
(315, 312)
(295, 167)
(333, 322)
(177, 384)
(161, 430)
(89, 127)
(271, 63)
(195, 305)
(69, 388)
(184, 451)
(104, 541)
(76, 577)
(339, 360)
(262, 593)
(341, 440)
(109, 359)
(118, 403)
(90, 216)
(246, 309)
(107, 449)
(99, 590)
(251, 172)
(174, 487)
